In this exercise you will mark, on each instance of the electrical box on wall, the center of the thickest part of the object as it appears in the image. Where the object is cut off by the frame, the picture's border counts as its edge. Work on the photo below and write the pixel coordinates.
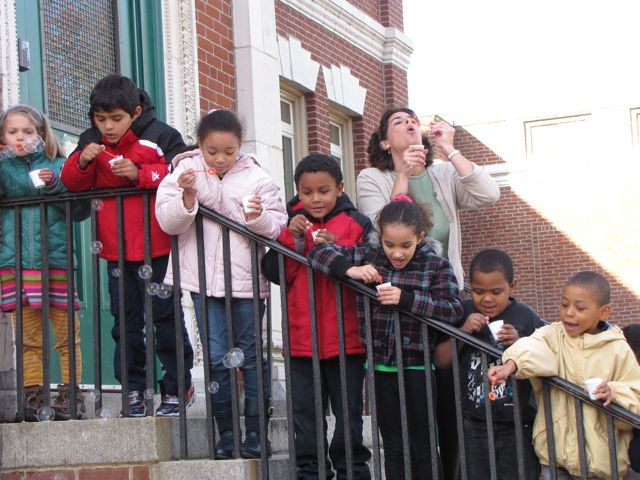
(24, 55)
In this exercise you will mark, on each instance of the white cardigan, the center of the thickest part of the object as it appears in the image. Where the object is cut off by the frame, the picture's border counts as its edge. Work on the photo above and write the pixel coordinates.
(453, 192)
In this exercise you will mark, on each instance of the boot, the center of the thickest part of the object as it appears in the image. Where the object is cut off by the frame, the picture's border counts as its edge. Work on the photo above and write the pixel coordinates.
(62, 403)
(224, 420)
(33, 401)
(250, 448)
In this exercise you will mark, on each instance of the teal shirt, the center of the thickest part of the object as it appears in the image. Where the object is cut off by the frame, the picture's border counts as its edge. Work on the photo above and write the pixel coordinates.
(421, 190)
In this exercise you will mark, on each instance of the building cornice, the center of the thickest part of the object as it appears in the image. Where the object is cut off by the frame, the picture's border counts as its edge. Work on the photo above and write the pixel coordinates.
(385, 44)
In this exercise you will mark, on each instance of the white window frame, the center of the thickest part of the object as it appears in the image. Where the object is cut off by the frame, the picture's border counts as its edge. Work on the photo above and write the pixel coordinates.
(296, 131)
(345, 150)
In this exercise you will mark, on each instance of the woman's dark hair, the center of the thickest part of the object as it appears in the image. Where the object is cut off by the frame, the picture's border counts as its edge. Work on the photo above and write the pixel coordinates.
(219, 121)
(380, 158)
(407, 213)
(492, 260)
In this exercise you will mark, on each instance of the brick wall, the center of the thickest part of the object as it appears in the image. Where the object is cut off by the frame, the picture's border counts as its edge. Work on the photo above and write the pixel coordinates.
(385, 85)
(215, 54)
(544, 256)
(391, 14)
(369, 7)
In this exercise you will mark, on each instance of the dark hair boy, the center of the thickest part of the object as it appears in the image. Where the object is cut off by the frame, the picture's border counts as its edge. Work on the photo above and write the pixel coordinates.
(322, 213)
(492, 281)
(127, 146)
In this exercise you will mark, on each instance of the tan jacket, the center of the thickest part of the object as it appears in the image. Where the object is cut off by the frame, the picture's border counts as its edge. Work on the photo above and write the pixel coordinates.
(550, 351)
(453, 192)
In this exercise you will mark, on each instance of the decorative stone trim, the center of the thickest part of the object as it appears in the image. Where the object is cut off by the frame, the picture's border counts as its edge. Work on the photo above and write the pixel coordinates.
(344, 89)
(296, 64)
(385, 44)
(181, 66)
(9, 75)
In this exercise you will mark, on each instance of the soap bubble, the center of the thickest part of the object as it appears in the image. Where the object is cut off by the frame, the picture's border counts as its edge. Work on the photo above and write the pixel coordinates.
(153, 289)
(116, 272)
(58, 476)
(103, 414)
(45, 414)
(94, 395)
(213, 387)
(35, 145)
(149, 393)
(84, 435)
(97, 204)
(96, 246)
(145, 272)
(165, 291)
(234, 358)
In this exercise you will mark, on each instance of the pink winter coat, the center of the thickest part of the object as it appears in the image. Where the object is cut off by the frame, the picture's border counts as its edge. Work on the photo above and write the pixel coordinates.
(224, 196)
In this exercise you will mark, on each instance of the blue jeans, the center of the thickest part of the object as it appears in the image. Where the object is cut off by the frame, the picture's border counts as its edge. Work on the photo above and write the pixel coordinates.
(245, 340)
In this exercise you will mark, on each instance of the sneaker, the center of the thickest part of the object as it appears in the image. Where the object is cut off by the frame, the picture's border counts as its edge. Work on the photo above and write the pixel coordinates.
(170, 406)
(137, 407)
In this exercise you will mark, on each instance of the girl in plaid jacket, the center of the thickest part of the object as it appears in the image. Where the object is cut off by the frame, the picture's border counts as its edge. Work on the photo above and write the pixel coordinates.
(417, 280)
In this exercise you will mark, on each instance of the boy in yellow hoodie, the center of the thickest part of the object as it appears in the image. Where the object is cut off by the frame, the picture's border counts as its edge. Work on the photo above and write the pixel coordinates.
(581, 345)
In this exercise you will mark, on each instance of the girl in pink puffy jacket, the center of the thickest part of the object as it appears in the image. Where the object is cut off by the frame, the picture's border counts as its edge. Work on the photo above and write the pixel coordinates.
(219, 177)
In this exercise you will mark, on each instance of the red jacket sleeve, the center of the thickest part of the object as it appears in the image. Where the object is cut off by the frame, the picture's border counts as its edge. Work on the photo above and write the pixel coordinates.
(76, 179)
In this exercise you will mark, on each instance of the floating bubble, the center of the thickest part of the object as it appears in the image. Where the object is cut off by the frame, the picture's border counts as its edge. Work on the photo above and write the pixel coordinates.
(145, 272)
(234, 358)
(153, 289)
(104, 414)
(45, 414)
(94, 394)
(213, 387)
(96, 246)
(165, 291)
(97, 204)
(116, 272)
(149, 393)
(34, 145)
(84, 435)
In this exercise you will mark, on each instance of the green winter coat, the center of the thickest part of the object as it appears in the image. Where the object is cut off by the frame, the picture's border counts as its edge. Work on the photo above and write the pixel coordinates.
(14, 183)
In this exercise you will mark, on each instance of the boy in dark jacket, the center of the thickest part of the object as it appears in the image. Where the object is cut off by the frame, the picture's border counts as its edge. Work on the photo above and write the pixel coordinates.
(322, 213)
(491, 278)
(128, 147)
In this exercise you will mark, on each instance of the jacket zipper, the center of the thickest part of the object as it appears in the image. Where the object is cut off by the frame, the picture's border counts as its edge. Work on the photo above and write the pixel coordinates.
(31, 221)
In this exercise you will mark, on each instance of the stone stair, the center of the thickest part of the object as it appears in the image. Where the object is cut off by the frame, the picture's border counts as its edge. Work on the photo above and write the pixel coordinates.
(131, 448)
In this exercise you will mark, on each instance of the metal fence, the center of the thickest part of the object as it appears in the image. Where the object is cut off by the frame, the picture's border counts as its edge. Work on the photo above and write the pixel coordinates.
(69, 203)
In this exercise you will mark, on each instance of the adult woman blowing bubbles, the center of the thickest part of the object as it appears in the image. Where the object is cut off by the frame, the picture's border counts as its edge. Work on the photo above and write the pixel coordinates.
(401, 163)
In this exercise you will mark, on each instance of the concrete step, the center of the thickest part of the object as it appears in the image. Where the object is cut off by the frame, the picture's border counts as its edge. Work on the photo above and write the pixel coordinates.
(217, 469)
(119, 441)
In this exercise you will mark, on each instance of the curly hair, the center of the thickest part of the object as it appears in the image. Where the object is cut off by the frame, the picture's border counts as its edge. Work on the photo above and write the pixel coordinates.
(404, 211)
(380, 158)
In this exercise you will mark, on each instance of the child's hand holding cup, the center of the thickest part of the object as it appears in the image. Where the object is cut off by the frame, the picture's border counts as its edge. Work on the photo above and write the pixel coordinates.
(251, 206)
(40, 177)
(592, 384)
(495, 328)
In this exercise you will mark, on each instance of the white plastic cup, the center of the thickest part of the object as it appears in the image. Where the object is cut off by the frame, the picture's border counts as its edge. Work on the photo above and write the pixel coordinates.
(495, 327)
(35, 179)
(314, 234)
(383, 285)
(592, 384)
(114, 160)
(245, 204)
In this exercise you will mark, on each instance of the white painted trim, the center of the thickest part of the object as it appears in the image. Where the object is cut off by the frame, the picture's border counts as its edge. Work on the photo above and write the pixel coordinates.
(296, 64)
(344, 89)
(385, 44)
(181, 66)
(9, 75)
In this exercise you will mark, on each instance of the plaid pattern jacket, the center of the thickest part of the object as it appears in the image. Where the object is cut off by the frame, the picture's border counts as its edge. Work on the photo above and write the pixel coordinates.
(429, 289)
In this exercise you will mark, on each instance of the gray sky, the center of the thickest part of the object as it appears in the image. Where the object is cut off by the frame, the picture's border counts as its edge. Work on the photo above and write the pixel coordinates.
(478, 61)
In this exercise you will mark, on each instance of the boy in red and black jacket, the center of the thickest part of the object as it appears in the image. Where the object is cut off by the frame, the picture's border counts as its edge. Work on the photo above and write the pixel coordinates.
(126, 147)
(322, 213)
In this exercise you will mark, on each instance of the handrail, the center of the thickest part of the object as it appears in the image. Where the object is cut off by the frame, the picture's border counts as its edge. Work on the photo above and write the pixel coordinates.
(572, 389)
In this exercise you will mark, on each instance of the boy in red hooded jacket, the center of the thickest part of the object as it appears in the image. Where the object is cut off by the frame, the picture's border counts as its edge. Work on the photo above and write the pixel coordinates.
(127, 146)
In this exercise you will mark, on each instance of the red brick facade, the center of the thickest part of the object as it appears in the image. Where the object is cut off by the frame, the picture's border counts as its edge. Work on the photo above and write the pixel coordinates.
(216, 63)
(544, 257)
(385, 84)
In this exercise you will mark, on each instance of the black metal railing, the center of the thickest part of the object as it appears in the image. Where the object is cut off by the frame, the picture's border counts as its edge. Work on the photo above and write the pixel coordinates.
(430, 328)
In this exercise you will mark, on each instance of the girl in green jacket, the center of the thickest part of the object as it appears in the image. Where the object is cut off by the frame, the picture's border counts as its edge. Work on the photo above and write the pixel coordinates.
(30, 163)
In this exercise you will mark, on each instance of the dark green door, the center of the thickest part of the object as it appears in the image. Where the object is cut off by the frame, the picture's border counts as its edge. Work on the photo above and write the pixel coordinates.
(72, 45)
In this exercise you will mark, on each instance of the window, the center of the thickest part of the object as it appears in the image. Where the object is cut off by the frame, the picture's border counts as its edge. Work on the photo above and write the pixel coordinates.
(293, 136)
(341, 142)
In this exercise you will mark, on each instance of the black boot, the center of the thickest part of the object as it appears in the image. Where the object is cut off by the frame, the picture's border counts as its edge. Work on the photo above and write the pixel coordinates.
(250, 448)
(224, 419)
